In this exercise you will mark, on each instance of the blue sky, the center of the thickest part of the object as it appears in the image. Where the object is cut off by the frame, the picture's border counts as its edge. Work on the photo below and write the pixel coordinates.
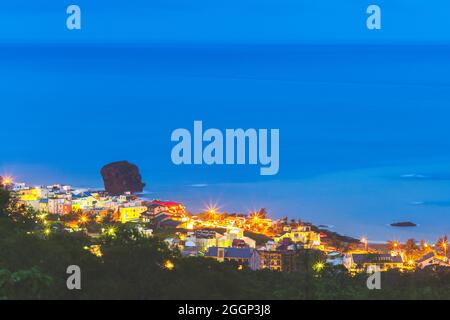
(235, 21)
(136, 64)
(357, 109)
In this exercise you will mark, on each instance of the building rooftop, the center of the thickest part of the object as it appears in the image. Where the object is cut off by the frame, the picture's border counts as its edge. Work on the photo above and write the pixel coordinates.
(426, 257)
(361, 258)
(168, 204)
(161, 217)
(237, 253)
(170, 223)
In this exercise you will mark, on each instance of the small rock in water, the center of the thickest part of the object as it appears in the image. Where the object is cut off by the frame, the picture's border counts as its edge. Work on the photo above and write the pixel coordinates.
(404, 224)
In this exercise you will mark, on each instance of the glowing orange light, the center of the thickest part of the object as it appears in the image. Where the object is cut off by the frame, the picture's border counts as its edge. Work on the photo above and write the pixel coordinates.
(83, 219)
(169, 265)
(96, 250)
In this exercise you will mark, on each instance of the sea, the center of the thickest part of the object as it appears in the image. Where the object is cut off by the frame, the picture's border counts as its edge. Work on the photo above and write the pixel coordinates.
(364, 129)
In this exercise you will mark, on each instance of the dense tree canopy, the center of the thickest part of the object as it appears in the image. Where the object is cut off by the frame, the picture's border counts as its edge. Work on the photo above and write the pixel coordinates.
(33, 265)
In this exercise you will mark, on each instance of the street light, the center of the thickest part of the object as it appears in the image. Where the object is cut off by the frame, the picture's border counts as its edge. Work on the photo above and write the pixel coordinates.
(395, 245)
(83, 219)
(111, 231)
(169, 265)
(318, 266)
(212, 209)
(6, 181)
(365, 242)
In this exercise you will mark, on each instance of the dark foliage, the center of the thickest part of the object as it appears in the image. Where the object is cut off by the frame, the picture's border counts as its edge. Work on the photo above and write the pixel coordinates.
(33, 266)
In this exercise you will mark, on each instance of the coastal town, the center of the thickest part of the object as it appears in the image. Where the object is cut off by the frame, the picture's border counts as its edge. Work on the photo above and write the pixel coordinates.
(250, 240)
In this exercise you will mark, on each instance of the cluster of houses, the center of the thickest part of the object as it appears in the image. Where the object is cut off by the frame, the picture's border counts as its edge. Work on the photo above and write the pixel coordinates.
(63, 200)
(196, 236)
(221, 237)
(369, 262)
(233, 246)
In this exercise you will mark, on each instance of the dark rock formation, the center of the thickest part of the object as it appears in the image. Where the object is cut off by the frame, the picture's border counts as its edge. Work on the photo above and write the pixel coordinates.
(121, 177)
(404, 224)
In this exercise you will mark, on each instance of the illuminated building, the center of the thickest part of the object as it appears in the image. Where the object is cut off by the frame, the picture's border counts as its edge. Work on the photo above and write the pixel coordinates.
(156, 208)
(33, 194)
(335, 258)
(59, 206)
(204, 239)
(145, 232)
(431, 259)
(170, 207)
(84, 201)
(304, 235)
(127, 214)
(43, 205)
(189, 249)
(233, 234)
(360, 262)
(277, 260)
